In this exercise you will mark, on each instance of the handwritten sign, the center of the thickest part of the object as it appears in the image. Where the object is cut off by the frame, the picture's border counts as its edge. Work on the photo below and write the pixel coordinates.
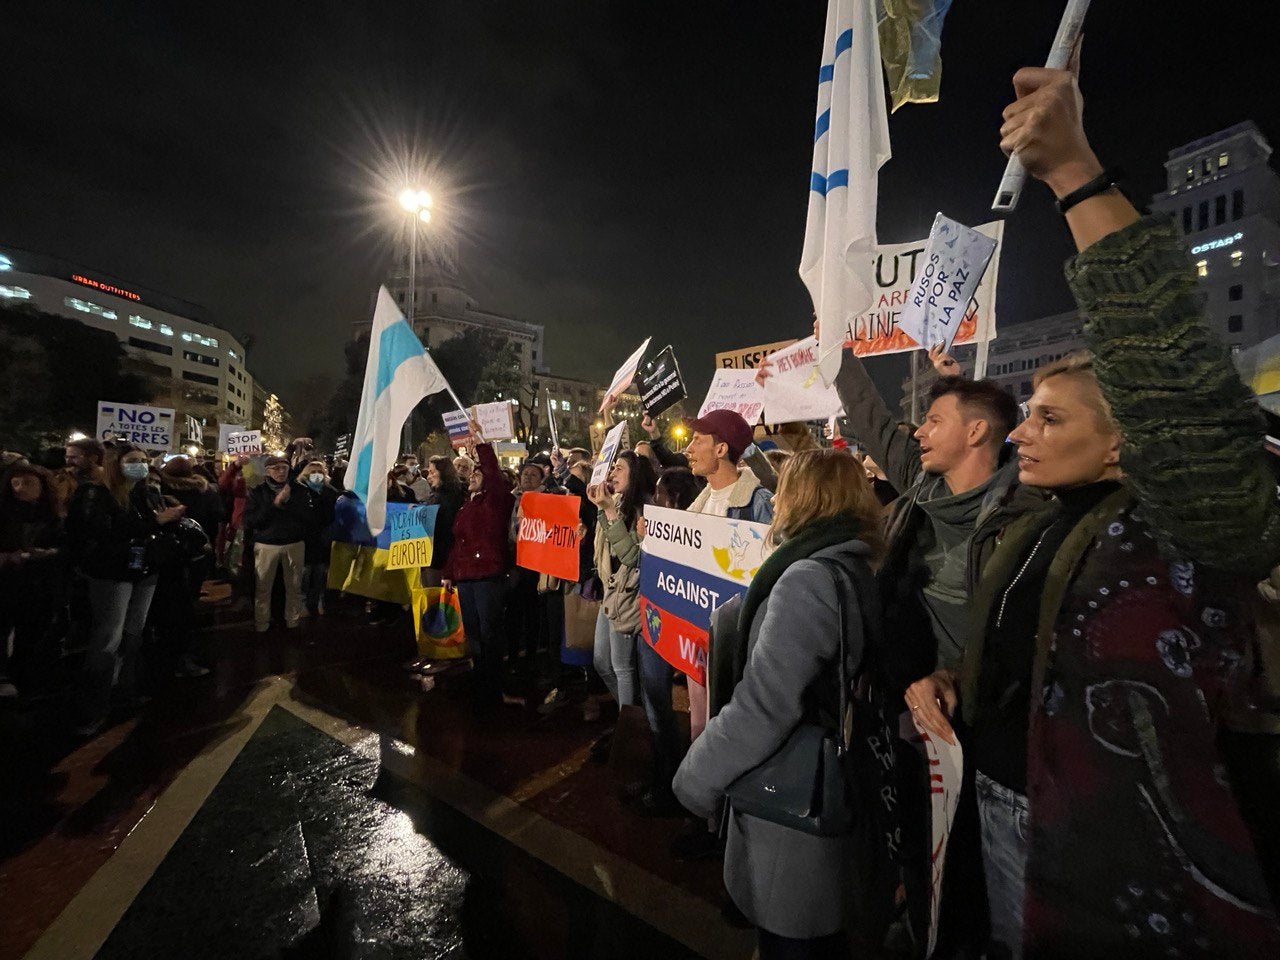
(626, 373)
(412, 532)
(734, 390)
(748, 358)
(661, 387)
(691, 564)
(238, 441)
(612, 443)
(458, 426)
(547, 540)
(150, 428)
(796, 392)
(495, 420)
(954, 262)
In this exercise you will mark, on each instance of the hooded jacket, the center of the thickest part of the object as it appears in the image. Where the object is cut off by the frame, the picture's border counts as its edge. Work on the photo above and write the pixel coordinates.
(748, 500)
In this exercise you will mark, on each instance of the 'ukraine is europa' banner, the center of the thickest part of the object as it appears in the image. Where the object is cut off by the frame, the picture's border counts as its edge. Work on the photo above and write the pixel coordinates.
(690, 565)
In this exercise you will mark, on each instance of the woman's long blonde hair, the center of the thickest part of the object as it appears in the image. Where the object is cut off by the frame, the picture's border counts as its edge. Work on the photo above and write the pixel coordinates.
(819, 485)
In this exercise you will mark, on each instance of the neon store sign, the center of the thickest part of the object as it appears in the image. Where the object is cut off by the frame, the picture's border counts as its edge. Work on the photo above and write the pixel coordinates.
(105, 287)
(1218, 244)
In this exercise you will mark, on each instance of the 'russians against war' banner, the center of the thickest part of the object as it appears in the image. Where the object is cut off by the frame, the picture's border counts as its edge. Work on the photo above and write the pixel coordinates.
(548, 536)
(690, 564)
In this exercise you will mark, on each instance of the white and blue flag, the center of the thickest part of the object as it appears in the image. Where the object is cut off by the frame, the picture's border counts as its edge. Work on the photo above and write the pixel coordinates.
(398, 374)
(850, 144)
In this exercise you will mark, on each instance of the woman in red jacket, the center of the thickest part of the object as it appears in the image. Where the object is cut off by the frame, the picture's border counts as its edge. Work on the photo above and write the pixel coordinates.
(478, 563)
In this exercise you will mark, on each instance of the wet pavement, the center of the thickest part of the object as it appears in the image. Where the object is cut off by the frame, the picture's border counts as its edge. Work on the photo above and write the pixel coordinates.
(311, 799)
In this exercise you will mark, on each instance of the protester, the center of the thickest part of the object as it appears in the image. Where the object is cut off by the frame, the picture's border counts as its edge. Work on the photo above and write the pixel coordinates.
(279, 518)
(112, 522)
(1109, 621)
(235, 496)
(32, 574)
(82, 457)
(184, 561)
(463, 466)
(204, 505)
(416, 481)
(299, 452)
(621, 501)
(315, 571)
(398, 489)
(448, 492)
(478, 564)
(794, 887)
(523, 620)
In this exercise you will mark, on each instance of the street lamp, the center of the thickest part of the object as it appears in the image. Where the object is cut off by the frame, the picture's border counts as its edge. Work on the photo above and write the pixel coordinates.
(417, 203)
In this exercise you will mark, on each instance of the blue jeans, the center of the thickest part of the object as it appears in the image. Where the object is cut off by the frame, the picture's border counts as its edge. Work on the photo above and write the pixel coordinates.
(119, 610)
(615, 660)
(1003, 815)
(315, 579)
(656, 677)
(482, 608)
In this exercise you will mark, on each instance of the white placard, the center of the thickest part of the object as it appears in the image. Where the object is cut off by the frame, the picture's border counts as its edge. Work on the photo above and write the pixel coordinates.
(150, 428)
(238, 441)
(495, 420)
(612, 440)
(795, 391)
(734, 390)
(954, 261)
(622, 379)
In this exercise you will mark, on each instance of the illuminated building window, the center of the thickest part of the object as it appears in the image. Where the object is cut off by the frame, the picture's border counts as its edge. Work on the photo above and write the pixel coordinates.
(196, 338)
(85, 306)
(1191, 174)
(15, 293)
(137, 321)
(1236, 257)
(199, 358)
(1205, 166)
(1235, 323)
(166, 329)
(564, 405)
(1202, 268)
(1224, 159)
(232, 354)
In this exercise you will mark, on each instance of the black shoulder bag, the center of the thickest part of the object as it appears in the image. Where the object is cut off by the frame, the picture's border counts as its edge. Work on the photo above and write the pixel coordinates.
(805, 784)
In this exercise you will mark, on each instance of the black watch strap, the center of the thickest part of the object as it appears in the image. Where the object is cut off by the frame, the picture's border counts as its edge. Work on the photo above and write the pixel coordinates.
(1099, 184)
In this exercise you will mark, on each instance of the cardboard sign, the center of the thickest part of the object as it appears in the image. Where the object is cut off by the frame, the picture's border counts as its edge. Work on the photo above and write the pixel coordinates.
(734, 390)
(412, 532)
(660, 384)
(149, 428)
(897, 267)
(238, 441)
(495, 420)
(796, 392)
(547, 540)
(954, 263)
(690, 564)
(612, 443)
(748, 358)
(626, 373)
(458, 426)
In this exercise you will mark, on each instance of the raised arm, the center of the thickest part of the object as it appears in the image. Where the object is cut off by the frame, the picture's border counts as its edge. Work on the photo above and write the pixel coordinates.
(873, 425)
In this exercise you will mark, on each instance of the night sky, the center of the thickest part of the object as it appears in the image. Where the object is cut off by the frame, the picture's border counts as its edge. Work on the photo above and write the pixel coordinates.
(611, 170)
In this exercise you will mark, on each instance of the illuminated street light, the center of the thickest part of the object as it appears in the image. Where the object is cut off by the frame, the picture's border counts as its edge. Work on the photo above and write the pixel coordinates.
(76, 436)
(417, 203)
(678, 431)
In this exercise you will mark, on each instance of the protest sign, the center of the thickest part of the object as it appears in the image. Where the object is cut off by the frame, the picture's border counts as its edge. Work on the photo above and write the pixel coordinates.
(551, 423)
(954, 262)
(626, 373)
(946, 771)
(748, 358)
(547, 540)
(659, 382)
(149, 428)
(342, 447)
(876, 332)
(795, 391)
(458, 426)
(609, 450)
(734, 390)
(495, 420)
(412, 531)
(690, 564)
(238, 441)
(195, 430)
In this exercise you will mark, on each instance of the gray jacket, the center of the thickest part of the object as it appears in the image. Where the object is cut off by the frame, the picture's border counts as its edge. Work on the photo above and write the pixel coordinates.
(787, 882)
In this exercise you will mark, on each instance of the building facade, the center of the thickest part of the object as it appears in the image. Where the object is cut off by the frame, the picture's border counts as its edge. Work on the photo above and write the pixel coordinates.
(189, 364)
(1223, 193)
(574, 402)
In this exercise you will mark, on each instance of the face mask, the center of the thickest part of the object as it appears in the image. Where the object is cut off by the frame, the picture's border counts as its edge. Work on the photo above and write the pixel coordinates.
(413, 470)
(135, 471)
(315, 480)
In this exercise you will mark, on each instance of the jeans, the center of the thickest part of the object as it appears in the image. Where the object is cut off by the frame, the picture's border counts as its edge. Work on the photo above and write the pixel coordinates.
(1002, 814)
(669, 747)
(119, 615)
(482, 604)
(267, 558)
(615, 660)
(834, 946)
(315, 579)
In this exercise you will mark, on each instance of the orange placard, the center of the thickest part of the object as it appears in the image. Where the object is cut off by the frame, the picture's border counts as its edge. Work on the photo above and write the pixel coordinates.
(548, 535)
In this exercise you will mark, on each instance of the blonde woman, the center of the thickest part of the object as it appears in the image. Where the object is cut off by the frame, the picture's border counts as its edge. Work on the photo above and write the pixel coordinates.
(792, 886)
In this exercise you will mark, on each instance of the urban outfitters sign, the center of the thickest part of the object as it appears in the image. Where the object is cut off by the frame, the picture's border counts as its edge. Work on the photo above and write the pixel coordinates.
(150, 428)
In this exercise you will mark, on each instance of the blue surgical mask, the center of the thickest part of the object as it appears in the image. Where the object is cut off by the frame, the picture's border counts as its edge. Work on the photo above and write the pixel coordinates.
(315, 480)
(135, 471)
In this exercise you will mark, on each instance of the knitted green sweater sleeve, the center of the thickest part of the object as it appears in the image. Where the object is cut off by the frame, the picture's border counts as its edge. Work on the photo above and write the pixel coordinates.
(1192, 449)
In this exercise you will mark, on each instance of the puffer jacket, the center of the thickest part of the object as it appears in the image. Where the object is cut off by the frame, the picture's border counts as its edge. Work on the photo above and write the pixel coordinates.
(480, 548)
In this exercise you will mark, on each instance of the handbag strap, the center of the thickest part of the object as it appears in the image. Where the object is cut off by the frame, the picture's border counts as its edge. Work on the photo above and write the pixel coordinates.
(837, 577)
(844, 578)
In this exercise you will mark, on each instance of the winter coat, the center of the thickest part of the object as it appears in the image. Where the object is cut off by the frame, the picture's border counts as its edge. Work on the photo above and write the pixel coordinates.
(101, 533)
(449, 502)
(787, 882)
(750, 500)
(235, 494)
(24, 528)
(321, 537)
(1136, 842)
(291, 523)
(480, 549)
(200, 497)
(617, 548)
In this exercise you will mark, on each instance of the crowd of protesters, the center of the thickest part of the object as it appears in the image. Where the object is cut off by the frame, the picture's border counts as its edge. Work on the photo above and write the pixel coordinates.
(1082, 597)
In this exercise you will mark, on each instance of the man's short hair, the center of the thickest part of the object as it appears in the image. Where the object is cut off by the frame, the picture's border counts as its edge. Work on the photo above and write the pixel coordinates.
(91, 446)
(981, 399)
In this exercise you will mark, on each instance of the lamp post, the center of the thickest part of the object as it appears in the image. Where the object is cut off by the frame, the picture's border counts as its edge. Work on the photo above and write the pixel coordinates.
(417, 203)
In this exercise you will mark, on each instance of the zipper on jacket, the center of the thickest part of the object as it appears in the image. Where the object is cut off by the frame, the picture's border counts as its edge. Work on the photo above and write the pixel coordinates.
(1014, 582)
